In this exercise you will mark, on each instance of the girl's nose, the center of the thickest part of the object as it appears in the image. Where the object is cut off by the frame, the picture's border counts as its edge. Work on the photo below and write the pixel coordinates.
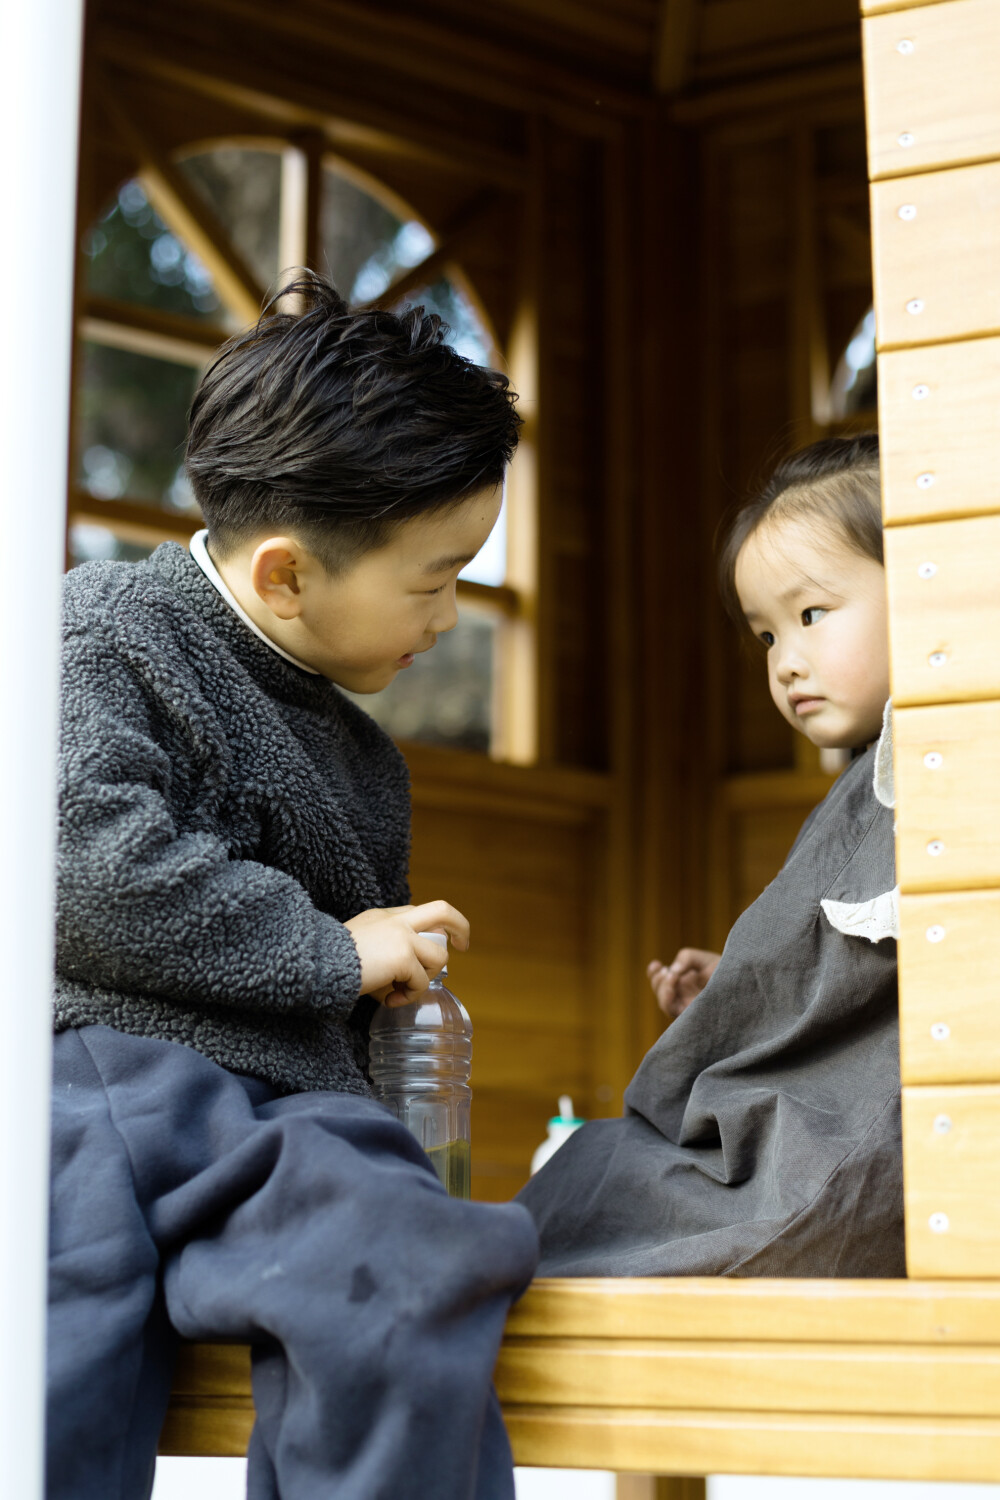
(790, 666)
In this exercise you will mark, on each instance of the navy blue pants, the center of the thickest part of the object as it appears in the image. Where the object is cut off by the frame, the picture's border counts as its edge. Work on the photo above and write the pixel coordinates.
(187, 1200)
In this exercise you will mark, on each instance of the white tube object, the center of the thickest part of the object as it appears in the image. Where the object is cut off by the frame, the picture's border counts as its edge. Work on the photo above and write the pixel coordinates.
(40, 42)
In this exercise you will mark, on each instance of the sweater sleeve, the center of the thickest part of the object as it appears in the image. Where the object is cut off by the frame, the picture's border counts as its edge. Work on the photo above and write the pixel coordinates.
(145, 906)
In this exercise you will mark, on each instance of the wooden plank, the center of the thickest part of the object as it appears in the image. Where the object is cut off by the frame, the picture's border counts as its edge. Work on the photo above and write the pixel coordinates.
(944, 608)
(670, 1375)
(940, 439)
(931, 87)
(883, 7)
(949, 983)
(951, 1168)
(935, 247)
(676, 31)
(755, 1443)
(949, 808)
(707, 1307)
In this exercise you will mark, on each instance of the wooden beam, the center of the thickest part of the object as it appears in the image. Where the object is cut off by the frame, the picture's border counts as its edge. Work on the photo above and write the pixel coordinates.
(259, 91)
(301, 201)
(132, 520)
(149, 330)
(184, 212)
(784, 91)
(674, 44)
(504, 75)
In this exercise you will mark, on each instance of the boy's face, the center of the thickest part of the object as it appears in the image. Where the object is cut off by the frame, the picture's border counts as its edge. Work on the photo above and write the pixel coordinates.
(363, 626)
(820, 610)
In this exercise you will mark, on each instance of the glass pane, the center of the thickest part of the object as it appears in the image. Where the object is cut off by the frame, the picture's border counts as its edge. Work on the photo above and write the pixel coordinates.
(365, 245)
(490, 564)
(243, 187)
(855, 382)
(445, 698)
(89, 543)
(132, 257)
(131, 427)
(467, 334)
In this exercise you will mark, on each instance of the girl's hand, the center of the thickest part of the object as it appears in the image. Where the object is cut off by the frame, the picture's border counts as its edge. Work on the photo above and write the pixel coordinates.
(675, 987)
(397, 962)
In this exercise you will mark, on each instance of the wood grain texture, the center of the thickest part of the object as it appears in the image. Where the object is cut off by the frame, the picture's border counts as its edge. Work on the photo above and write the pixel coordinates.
(945, 625)
(949, 977)
(948, 836)
(951, 1168)
(940, 261)
(940, 451)
(939, 93)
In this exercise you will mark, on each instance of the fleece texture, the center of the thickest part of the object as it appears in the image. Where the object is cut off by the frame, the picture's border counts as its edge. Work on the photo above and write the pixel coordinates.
(222, 814)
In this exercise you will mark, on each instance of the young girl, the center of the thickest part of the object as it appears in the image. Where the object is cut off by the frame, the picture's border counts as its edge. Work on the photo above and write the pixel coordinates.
(761, 1132)
(830, 683)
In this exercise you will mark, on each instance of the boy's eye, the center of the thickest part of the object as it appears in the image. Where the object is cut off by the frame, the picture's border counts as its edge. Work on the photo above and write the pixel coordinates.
(813, 616)
(439, 590)
(766, 638)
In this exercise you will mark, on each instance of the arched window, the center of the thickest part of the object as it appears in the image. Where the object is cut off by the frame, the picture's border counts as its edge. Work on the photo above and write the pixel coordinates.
(178, 261)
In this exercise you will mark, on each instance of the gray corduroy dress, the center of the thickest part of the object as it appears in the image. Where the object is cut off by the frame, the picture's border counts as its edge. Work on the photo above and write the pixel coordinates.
(762, 1132)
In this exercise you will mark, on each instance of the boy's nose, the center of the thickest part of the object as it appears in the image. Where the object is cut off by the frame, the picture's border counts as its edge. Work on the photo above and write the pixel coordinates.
(446, 617)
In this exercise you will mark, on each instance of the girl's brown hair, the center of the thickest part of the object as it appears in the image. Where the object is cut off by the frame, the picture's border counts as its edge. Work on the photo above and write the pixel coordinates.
(834, 482)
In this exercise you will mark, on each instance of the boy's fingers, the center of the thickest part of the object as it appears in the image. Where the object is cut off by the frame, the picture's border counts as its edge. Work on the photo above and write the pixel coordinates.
(440, 914)
(431, 955)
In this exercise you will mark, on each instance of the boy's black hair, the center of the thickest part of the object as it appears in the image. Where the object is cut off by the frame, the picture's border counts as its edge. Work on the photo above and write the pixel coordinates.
(338, 425)
(834, 483)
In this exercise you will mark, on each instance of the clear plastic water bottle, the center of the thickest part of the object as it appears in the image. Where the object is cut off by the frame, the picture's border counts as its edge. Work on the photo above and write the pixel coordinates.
(420, 1057)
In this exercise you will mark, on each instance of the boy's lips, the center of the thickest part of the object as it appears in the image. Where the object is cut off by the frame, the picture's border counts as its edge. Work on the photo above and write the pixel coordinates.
(407, 660)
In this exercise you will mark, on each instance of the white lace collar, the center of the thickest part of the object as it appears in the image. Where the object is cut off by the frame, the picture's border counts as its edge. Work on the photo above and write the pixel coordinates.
(199, 552)
(878, 918)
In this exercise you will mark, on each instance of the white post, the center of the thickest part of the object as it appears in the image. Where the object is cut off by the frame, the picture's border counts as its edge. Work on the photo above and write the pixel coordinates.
(40, 43)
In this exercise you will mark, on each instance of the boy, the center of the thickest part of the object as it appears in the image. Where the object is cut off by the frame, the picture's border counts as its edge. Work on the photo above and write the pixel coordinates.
(232, 903)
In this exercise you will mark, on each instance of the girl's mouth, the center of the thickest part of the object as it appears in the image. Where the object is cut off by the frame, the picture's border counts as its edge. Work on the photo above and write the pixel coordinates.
(807, 705)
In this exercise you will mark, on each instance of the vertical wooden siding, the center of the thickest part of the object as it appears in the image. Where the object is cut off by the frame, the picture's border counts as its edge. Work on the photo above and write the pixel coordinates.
(934, 156)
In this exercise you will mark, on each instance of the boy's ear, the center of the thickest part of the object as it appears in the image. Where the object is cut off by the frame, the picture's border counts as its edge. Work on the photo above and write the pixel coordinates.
(275, 576)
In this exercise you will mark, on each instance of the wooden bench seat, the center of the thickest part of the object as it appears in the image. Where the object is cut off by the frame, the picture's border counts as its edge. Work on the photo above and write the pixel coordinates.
(878, 1379)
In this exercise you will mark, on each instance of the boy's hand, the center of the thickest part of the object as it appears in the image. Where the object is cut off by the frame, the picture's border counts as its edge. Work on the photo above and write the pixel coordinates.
(397, 963)
(675, 987)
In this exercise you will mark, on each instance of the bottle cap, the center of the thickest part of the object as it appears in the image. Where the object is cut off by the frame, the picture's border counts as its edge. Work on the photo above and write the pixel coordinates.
(441, 938)
(566, 1115)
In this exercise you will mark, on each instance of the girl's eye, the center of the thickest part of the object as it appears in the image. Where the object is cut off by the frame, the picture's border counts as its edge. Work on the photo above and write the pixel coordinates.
(812, 616)
(767, 638)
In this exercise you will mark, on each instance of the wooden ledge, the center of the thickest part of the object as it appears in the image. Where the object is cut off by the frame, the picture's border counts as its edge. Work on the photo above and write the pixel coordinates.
(881, 1379)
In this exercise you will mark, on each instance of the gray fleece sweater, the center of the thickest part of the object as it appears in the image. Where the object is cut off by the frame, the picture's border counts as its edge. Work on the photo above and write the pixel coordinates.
(222, 814)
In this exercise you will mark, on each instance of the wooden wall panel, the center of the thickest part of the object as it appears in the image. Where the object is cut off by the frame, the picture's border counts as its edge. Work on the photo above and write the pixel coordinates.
(524, 861)
(948, 796)
(944, 601)
(940, 431)
(952, 1170)
(949, 972)
(932, 87)
(924, 228)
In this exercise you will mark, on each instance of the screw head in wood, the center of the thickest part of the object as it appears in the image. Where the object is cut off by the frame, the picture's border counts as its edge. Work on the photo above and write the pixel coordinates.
(915, 306)
(907, 138)
(935, 847)
(934, 760)
(938, 1223)
(905, 47)
(935, 934)
(924, 481)
(908, 211)
(940, 1032)
(927, 570)
(942, 1124)
(921, 392)
(937, 659)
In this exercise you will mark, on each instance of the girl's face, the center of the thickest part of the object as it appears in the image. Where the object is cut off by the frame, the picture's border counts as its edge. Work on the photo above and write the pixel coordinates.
(819, 608)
